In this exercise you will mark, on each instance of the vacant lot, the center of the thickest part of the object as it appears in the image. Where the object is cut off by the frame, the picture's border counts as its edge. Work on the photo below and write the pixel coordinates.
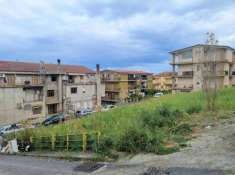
(159, 125)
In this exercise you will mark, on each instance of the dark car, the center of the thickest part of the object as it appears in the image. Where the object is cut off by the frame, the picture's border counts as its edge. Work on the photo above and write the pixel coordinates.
(55, 119)
(83, 112)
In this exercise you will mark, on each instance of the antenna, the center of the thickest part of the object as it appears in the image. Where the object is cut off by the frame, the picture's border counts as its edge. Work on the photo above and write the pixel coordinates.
(211, 39)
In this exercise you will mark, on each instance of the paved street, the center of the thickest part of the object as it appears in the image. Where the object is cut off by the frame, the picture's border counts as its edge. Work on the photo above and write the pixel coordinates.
(17, 165)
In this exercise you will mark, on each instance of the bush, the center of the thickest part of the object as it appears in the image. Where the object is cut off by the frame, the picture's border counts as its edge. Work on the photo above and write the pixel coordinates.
(183, 129)
(178, 113)
(194, 109)
(105, 146)
(161, 117)
(133, 140)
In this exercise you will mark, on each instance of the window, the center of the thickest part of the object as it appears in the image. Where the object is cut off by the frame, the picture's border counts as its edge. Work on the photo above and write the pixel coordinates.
(52, 108)
(50, 93)
(226, 72)
(37, 110)
(233, 73)
(81, 77)
(11, 79)
(71, 79)
(53, 78)
(73, 90)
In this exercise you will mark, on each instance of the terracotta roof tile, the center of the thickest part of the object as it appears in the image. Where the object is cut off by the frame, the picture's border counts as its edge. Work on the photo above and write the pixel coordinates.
(11, 66)
(130, 72)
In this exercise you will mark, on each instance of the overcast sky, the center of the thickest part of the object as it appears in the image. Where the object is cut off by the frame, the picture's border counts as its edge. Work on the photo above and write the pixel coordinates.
(128, 34)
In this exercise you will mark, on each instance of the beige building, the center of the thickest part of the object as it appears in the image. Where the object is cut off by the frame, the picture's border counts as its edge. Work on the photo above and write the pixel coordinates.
(31, 90)
(163, 81)
(122, 85)
(188, 63)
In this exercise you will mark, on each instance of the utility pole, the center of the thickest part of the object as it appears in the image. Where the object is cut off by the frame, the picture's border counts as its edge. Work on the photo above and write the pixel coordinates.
(42, 74)
(98, 88)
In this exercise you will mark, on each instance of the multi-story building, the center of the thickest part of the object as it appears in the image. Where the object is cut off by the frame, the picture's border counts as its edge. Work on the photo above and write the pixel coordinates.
(31, 90)
(120, 85)
(188, 64)
(163, 81)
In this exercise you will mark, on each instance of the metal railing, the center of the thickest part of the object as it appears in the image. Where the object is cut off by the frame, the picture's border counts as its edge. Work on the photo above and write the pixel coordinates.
(69, 142)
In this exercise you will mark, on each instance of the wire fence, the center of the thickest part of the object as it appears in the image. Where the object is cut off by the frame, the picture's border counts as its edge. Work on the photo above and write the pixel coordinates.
(69, 142)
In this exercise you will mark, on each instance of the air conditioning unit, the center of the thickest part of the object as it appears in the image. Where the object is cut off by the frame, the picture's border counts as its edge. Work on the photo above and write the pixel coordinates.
(65, 78)
(19, 105)
(26, 82)
(2, 75)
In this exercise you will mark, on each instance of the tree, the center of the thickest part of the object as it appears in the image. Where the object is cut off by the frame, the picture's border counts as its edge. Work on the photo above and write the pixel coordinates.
(209, 72)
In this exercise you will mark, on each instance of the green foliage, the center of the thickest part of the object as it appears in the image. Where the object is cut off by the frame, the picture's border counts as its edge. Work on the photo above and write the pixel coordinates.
(183, 129)
(150, 92)
(194, 109)
(129, 127)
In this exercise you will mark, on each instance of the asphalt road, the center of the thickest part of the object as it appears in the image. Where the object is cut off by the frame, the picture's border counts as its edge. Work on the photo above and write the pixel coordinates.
(20, 165)
(17, 165)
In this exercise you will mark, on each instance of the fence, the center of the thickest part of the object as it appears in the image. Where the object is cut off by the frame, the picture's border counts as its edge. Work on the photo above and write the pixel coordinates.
(70, 142)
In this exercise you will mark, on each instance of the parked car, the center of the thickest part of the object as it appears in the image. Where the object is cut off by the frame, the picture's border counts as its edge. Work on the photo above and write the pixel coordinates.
(10, 129)
(54, 119)
(108, 107)
(84, 112)
(158, 94)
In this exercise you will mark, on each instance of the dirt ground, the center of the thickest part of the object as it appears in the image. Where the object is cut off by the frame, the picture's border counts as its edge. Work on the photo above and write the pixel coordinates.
(213, 149)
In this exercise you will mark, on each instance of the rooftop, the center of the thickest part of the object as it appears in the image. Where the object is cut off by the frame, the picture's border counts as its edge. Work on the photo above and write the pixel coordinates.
(13, 66)
(190, 47)
(129, 72)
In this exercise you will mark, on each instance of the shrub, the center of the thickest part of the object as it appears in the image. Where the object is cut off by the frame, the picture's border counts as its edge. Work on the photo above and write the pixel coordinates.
(183, 129)
(161, 117)
(164, 111)
(194, 109)
(178, 113)
(133, 140)
(105, 145)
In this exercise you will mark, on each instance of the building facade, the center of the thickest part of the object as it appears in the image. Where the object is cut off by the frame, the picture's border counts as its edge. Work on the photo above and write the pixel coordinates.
(31, 90)
(188, 65)
(163, 81)
(121, 85)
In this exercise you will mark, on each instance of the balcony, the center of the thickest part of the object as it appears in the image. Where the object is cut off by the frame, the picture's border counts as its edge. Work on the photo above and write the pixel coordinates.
(111, 79)
(114, 89)
(109, 99)
(185, 74)
(29, 85)
(182, 61)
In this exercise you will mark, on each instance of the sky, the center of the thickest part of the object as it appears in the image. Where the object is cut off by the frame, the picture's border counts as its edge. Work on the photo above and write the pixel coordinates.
(117, 34)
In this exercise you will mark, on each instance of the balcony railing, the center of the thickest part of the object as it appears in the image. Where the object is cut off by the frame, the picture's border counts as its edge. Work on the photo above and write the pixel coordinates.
(110, 99)
(185, 74)
(110, 79)
(112, 89)
(182, 61)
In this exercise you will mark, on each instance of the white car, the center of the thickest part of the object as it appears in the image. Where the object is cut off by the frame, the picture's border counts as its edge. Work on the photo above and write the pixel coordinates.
(10, 129)
(159, 94)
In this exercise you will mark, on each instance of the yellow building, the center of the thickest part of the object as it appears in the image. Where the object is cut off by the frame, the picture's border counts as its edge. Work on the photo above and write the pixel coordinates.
(121, 86)
(163, 81)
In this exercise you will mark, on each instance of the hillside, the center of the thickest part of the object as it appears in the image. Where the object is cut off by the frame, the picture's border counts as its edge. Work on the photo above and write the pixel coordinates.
(159, 125)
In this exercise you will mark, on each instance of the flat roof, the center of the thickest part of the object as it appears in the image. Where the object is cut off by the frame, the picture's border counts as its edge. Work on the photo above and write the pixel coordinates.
(190, 47)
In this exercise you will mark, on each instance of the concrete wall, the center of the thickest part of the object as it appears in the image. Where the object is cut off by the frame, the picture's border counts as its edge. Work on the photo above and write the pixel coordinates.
(16, 104)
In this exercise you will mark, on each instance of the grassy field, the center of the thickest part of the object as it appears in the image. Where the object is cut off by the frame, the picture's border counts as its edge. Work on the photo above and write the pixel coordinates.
(159, 125)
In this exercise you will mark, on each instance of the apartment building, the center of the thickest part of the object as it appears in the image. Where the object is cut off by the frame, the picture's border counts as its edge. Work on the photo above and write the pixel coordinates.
(188, 63)
(163, 81)
(32, 90)
(121, 85)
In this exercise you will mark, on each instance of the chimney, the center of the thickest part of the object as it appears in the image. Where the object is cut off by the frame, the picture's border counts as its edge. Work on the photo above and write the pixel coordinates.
(98, 88)
(59, 69)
